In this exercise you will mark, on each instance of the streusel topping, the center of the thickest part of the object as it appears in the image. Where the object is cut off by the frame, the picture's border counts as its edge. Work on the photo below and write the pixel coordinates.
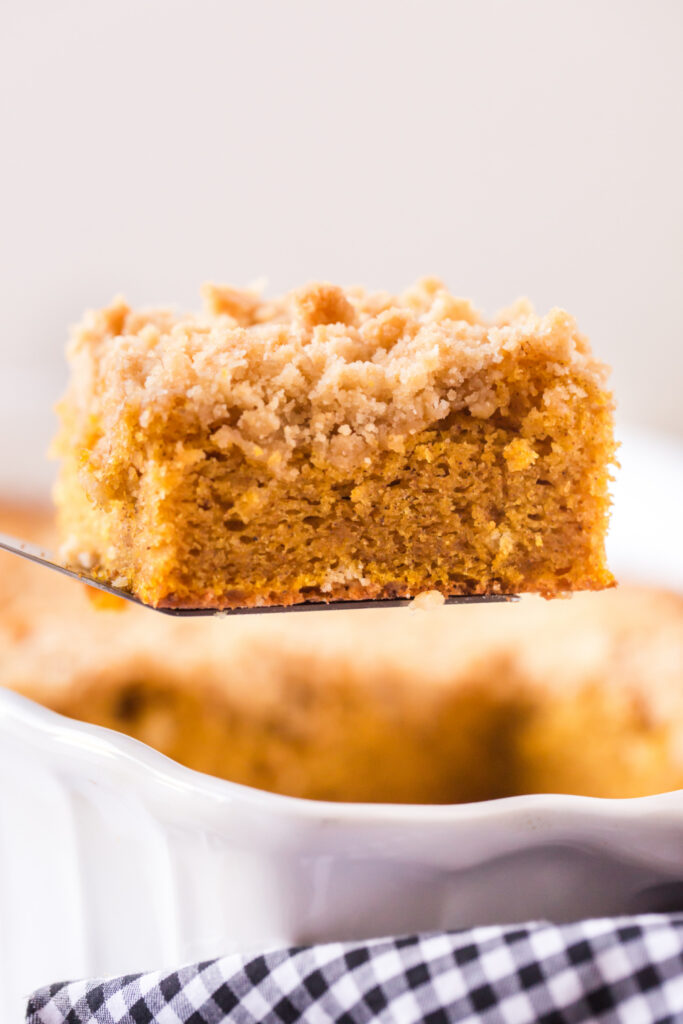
(336, 371)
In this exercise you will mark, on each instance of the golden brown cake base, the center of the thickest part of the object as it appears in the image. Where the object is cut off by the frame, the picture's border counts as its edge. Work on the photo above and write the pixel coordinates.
(453, 704)
(333, 446)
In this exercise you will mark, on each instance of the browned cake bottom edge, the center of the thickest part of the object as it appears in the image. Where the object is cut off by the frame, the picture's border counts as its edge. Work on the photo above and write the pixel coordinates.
(368, 592)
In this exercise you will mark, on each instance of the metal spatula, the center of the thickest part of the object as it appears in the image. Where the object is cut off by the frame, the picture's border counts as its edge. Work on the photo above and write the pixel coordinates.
(37, 554)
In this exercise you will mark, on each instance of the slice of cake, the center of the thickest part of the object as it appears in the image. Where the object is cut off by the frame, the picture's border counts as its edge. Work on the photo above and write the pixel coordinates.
(334, 445)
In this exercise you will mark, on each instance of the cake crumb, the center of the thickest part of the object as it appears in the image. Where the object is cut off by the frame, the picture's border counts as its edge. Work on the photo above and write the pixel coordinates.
(519, 454)
(427, 601)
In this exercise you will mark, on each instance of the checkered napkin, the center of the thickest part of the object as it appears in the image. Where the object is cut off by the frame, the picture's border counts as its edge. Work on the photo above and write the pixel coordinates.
(622, 969)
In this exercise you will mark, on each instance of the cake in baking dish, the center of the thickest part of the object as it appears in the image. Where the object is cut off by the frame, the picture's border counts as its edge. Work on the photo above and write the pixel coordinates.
(334, 445)
(452, 704)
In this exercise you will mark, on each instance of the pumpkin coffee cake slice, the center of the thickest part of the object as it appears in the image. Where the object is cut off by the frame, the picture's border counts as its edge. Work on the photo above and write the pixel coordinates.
(334, 445)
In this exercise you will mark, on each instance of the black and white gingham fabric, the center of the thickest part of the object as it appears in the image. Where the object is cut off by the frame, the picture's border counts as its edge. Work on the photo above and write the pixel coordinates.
(625, 969)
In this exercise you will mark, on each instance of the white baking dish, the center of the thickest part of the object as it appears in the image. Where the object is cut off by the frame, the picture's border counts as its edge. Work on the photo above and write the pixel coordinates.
(113, 858)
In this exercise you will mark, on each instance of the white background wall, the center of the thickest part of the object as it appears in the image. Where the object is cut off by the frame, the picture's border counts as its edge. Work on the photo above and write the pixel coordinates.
(532, 147)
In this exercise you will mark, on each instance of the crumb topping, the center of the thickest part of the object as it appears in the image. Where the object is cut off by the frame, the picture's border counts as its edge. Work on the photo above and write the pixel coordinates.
(331, 370)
